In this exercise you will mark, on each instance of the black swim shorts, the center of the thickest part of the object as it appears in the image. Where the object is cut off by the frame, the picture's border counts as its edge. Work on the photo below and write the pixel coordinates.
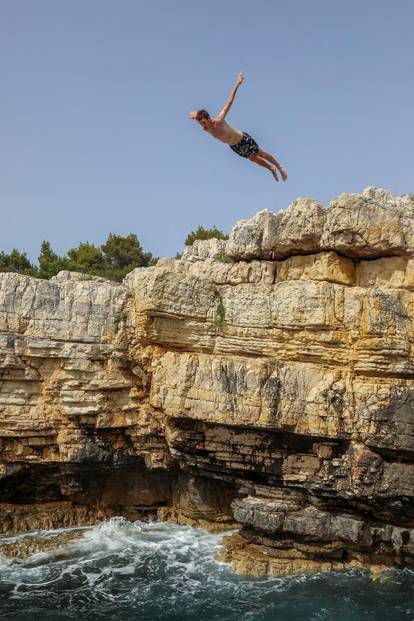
(246, 146)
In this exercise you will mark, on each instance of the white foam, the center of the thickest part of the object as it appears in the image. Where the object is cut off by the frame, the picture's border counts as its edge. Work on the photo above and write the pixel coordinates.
(119, 567)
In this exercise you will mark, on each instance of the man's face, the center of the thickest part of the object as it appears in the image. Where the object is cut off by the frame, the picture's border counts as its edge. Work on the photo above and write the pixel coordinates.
(205, 123)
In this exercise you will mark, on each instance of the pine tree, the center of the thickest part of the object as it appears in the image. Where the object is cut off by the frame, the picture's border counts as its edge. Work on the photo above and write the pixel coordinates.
(49, 262)
(123, 254)
(17, 262)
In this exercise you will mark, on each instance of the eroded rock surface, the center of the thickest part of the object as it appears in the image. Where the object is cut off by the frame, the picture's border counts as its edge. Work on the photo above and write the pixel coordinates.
(266, 381)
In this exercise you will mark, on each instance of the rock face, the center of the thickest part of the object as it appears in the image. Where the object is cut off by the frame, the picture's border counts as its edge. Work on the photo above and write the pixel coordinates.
(265, 382)
(71, 425)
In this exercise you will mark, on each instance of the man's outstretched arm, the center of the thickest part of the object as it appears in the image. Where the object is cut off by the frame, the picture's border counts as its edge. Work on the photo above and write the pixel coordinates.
(222, 114)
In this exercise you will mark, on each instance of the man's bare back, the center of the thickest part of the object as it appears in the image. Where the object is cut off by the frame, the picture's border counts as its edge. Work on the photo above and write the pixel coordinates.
(240, 142)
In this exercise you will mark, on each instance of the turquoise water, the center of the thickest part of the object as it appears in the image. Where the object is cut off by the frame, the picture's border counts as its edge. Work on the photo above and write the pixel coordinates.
(123, 570)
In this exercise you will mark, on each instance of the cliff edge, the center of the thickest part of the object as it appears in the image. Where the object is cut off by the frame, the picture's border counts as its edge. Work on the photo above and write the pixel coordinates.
(264, 382)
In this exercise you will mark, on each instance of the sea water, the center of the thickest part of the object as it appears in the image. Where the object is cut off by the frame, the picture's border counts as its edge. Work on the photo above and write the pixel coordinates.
(135, 570)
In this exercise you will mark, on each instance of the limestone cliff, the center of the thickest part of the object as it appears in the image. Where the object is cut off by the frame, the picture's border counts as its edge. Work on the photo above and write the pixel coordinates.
(264, 382)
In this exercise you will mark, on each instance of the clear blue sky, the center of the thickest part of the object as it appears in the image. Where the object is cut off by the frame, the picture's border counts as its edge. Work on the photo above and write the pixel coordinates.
(95, 95)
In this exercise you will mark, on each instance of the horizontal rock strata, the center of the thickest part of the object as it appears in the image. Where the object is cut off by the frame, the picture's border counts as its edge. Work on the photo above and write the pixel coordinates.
(264, 382)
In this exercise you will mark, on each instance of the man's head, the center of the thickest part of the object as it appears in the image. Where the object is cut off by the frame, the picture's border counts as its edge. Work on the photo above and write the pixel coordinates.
(203, 117)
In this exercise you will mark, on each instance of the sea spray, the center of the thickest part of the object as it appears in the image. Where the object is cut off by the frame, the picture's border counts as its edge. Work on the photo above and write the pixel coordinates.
(138, 570)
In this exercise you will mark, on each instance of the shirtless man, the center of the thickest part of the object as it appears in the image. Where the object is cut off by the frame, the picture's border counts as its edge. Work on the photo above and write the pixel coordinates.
(240, 142)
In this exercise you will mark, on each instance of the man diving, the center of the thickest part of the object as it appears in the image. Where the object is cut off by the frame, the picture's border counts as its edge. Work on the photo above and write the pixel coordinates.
(239, 141)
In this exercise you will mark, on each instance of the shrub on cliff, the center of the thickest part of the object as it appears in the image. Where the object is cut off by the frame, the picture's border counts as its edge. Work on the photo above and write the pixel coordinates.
(202, 233)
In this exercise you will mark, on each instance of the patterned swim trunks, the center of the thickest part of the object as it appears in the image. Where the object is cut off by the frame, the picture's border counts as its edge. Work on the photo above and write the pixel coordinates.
(246, 146)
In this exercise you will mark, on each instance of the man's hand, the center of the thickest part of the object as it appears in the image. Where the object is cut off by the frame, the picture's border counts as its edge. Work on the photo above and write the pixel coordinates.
(192, 115)
(240, 78)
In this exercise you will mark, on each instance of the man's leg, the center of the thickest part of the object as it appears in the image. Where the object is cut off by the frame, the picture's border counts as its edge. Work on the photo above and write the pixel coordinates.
(258, 160)
(270, 158)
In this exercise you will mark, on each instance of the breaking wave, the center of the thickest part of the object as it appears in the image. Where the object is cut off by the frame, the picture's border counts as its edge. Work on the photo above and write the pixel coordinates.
(136, 570)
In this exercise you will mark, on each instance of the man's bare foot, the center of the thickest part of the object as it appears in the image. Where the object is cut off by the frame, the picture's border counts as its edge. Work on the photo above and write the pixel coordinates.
(283, 173)
(273, 171)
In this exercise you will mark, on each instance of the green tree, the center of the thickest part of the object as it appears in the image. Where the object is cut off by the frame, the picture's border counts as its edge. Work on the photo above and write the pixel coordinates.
(17, 262)
(123, 254)
(86, 258)
(202, 233)
(49, 262)
(113, 260)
